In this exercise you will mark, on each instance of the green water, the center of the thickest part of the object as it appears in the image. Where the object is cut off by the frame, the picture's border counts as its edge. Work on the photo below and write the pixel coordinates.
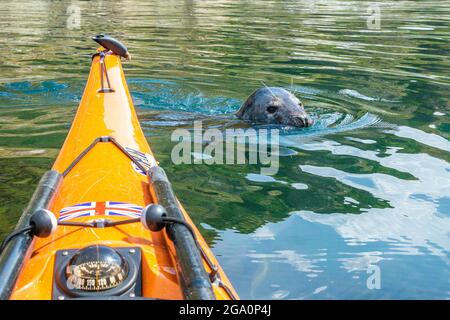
(367, 185)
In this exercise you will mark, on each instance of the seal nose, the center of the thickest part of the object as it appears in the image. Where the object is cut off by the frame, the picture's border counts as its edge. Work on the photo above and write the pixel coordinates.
(304, 121)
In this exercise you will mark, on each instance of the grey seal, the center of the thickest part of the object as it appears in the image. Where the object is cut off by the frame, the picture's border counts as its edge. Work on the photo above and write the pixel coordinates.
(274, 105)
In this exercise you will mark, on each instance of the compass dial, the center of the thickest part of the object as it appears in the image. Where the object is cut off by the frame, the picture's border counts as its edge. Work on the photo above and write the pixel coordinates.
(96, 268)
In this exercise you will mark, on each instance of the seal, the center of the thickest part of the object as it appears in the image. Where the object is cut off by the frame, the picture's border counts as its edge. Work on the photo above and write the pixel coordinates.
(274, 105)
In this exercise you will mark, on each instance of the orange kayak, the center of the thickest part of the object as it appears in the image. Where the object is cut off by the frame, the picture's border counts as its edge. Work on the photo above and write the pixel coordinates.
(104, 222)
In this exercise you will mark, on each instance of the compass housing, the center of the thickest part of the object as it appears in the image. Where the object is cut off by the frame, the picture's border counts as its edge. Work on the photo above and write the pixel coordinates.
(96, 268)
(97, 271)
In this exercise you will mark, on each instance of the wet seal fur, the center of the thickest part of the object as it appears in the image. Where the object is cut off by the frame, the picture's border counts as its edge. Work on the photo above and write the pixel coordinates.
(274, 105)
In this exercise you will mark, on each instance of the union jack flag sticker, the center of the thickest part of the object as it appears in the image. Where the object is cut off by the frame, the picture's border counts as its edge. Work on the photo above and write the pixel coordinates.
(100, 208)
(144, 159)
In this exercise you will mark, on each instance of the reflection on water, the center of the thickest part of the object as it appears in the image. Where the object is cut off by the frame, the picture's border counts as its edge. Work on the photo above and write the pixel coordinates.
(367, 185)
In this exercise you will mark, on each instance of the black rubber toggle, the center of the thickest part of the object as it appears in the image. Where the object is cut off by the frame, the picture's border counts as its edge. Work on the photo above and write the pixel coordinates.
(43, 222)
(153, 217)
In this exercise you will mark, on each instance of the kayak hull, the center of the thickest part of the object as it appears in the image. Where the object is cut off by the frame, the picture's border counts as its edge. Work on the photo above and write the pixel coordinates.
(102, 183)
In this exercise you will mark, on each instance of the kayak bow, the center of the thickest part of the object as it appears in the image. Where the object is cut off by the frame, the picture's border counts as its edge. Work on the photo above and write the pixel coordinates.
(104, 222)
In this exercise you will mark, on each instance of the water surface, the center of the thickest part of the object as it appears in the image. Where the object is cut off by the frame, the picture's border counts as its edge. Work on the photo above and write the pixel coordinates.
(367, 185)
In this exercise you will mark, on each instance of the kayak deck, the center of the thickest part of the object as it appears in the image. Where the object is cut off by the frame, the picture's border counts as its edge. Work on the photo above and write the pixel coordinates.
(104, 183)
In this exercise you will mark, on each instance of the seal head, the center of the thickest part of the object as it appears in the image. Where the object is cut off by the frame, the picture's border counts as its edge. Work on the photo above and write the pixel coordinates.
(274, 105)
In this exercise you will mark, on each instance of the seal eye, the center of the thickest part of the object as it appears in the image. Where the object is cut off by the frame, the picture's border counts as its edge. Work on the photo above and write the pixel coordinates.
(272, 109)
